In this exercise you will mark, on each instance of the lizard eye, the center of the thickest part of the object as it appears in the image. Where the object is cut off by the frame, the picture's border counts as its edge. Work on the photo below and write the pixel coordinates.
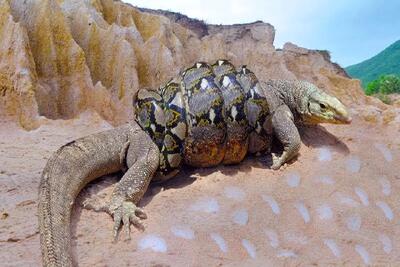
(322, 106)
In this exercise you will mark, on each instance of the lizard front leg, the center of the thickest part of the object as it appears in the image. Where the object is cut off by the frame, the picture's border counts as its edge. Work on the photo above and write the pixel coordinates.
(286, 132)
(142, 159)
(140, 155)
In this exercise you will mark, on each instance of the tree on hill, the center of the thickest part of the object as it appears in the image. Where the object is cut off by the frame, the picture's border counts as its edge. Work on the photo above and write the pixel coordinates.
(384, 85)
(386, 62)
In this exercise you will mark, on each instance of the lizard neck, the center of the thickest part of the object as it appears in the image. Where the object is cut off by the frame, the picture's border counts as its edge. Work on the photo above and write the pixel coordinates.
(293, 94)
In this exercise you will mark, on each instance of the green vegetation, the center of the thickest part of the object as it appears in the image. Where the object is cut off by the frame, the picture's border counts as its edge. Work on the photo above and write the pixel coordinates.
(384, 85)
(386, 62)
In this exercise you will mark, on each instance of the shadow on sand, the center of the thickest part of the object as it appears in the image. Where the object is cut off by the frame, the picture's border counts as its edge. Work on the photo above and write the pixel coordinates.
(317, 136)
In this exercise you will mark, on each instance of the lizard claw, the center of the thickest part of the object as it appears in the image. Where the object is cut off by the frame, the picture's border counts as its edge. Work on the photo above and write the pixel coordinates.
(140, 213)
(127, 213)
(276, 162)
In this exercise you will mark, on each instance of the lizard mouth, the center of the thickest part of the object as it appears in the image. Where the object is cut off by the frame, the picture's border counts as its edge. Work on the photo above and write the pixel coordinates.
(340, 119)
(343, 119)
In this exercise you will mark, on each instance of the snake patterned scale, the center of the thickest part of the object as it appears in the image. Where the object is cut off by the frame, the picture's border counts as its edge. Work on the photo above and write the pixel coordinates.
(206, 116)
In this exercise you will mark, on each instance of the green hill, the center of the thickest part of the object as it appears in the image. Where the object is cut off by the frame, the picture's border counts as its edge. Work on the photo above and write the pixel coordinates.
(386, 62)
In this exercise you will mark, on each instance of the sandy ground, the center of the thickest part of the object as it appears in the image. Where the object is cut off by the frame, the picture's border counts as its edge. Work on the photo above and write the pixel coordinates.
(336, 205)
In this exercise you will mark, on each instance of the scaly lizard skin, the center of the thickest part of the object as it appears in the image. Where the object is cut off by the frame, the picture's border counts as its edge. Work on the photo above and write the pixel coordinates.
(299, 102)
(210, 114)
(76, 164)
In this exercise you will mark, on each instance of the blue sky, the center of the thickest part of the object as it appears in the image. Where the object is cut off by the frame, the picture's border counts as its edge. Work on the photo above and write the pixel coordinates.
(352, 30)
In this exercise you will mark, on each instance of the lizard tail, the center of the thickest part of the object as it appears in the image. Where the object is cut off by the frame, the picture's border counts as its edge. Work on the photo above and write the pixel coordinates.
(66, 173)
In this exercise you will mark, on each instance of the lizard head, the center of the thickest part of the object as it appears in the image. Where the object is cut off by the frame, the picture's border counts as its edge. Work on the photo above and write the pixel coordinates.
(324, 108)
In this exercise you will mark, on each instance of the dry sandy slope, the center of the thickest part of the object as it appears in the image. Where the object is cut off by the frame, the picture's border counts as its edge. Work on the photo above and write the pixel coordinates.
(338, 204)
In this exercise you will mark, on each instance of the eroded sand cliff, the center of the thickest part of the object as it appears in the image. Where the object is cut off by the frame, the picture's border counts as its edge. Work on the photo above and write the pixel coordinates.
(59, 58)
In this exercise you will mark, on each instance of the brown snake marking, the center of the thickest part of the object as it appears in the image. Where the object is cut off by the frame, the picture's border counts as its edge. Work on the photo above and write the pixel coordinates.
(205, 116)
